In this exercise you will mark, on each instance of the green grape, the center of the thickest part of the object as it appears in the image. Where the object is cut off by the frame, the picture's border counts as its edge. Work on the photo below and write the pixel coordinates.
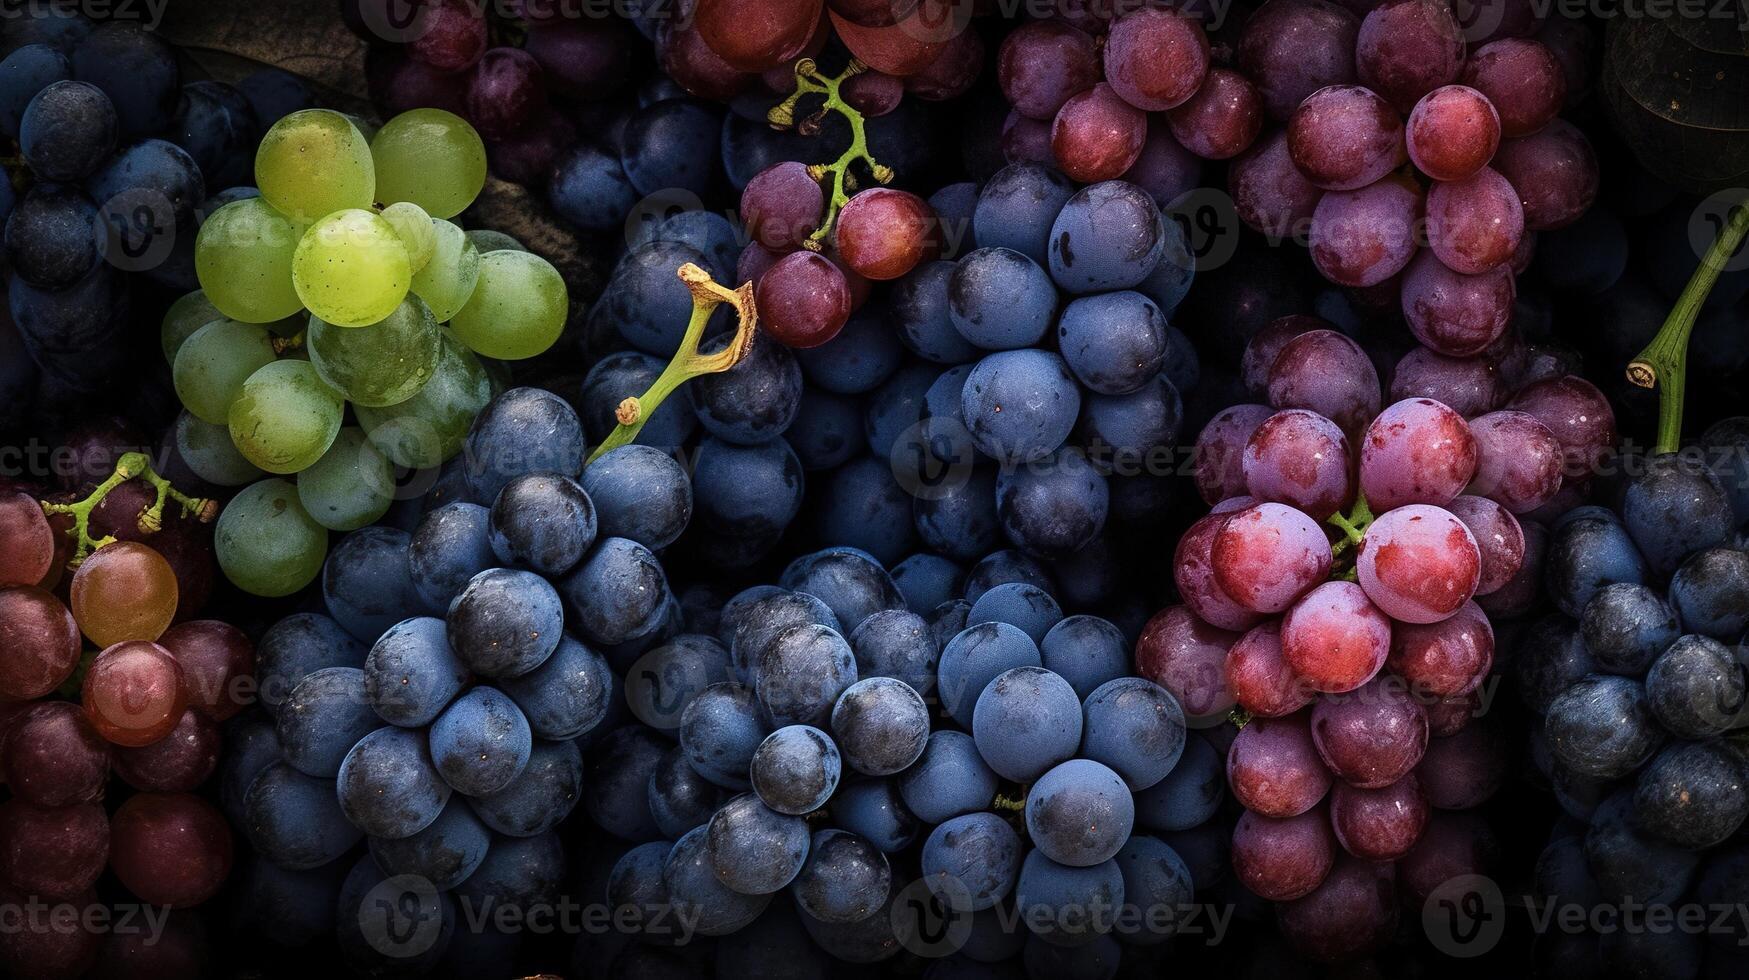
(448, 279)
(414, 226)
(285, 418)
(210, 453)
(213, 364)
(432, 158)
(429, 428)
(518, 308)
(487, 240)
(243, 257)
(313, 163)
(350, 486)
(189, 313)
(382, 364)
(351, 268)
(267, 544)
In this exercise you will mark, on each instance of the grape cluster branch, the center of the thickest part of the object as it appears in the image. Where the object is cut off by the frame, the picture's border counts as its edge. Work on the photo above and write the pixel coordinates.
(151, 519)
(809, 81)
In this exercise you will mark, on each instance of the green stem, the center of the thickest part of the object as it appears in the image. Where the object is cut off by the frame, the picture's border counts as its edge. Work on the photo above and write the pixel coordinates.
(687, 363)
(1239, 717)
(809, 81)
(1008, 803)
(151, 519)
(1353, 525)
(1664, 362)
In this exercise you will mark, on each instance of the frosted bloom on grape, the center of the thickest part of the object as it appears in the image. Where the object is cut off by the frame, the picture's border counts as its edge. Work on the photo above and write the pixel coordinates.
(1269, 555)
(1419, 564)
(1335, 638)
(1417, 451)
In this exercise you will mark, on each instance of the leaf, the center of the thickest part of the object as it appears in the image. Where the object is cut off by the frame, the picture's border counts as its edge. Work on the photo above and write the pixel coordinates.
(305, 37)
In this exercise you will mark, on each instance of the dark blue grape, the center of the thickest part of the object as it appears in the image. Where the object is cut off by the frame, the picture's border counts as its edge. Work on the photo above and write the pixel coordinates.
(827, 430)
(862, 505)
(481, 742)
(49, 240)
(618, 783)
(1675, 508)
(801, 674)
(754, 849)
(518, 873)
(868, 940)
(216, 125)
(522, 431)
(628, 374)
(323, 718)
(896, 409)
(1625, 627)
(590, 189)
(452, 544)
(958, 517)
(696, 892)
(1068, 905)
(1550, 657)
(1053, 507)
(1123, 432)
(1711, 593)
(296, 647)
(943, 432)
(388, 786)
(720, 730)
(845, 878)
(863, 354)
(917, 311)
(1602, 726)
(763, 618)
(367, 583)
(567, 695)
(635, 891)
(707, 231)
(736, 610)
(795, 769)
(542, 521)
(251, 745)
(999, 299)
(1020, 405)
(746, 491)
(1189, 795)
(373, 940)
(67, 131)
(881, 725)
(619, 593)
(1019, 604)
(25, 72)
(505, 622)
(1586, 554)
(926, 581)
(1170, 281)
(896, 643)
(1108, 236)
(293, 909)
(410, 674)
(850, 582)
(671, 146)
(662, 682)
(872, 808)
(971, 862)
(756, 400)
(973, 658)
(1692, 794)
(1631, 864)
(294, 820)
(1113, 342)
(273, 94)
(1079, 813)
(949, 779)
(1696, 688)
(1000, 567)
(137, 69)
(1086, 651)
(540, 796)
(444, 853)
(1026, 721)
(1136, 728)
(680, 798)
(146, 195)
(1018, 206)
(646, 301)
(73, 334)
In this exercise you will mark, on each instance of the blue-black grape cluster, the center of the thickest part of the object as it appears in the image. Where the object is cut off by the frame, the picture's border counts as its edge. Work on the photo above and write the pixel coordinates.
(123, 155)
(1640, 685)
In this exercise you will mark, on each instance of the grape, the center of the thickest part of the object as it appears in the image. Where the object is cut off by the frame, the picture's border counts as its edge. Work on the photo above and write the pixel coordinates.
(999, 299)
(1107, 236)
(1602, 726)
(1626, 861)
(1274, 769)
(447, 279)
(1220, 449)
(1325, 372)
(1155, 59)
(53, 757)
(410, 674)
(134, 693)
(210, 454)
(388, 785)
(971, 862)
(1184, 655)
(781, 206)
(1419, 563)
(619, 773)
(216, 660)
(1518, 461)
(1522, 79)
(416, 230)
(480, 742)
(1097, 135)
(1299, 458)
(43, 638)
(1407, 48)
(1467, 385)
(1068, 904)
(948, 780)
(314, 162)
(123, 591)
(188, 313)
(215, 362)
(1453, 132)
(243, 256)
(1555, 173)
(52, 850)
(1335, 639)
(1019, 604)
(294, 820)
(795, 769)
(1344, 137)
(882, 724)
(1260, 677)
(974, 658)
(1674, 508)
(1498, 536)
(754, 849)
(1198, 584)
(27, 539)
(67, 131)
(284, 418)
(350, 486)
(1086, 651)
(505, 622)
(431, 426)
(351, 269)
(1265, 557)
(1293, 48)
(883, 233)
(445, 853)
(618, 594)
(1417, 451)
(544, 522)
(1114, 342)
(28, 69)
(1626, 626)
(845, 879)
(1379, 824)
(763, 618)
(1576, 413)
(1351, 913)
(1474, 224)
(1692, 795)
(1042, 63)
(1222, 119)
(297, 646)
(1040, 395)
(1283, 859)
(1026, 720)
(49, 238)
(1270, 194)
(135, 67)
(1711, 592)
(431, 158)
(753, 36)
(1446, 659)
(926, 581)
(323, 717)
(721, 731)
(803, 300)
(1364, 237)
(1059, 505)
(1455, 314)
(1136, 728)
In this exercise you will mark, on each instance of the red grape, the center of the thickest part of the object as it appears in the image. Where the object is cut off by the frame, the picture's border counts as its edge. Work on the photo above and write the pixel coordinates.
(52, 851)
(1269, 555)
(527, 157)
(1042, 63)
(1407, 48)
(1522, 79)
(1497, 534)
(1555, 172)
(1417, 451)
(1266, 344)
(953, 72)
(873, 93)
(1193, 573)
(1166, 170)
(1345, 136)
(1577, 414)
(872, 13)
(1470, 385)
(1372, 736)
(1452, 845)
(452, 35)
(1326, 372)
(27, 543)
(1474, 224)
(753, 35)
(1520, 595)
(582, 59)
(1418, 563)
(1335, 639)
(1270, 193)
(171, 848)
(51, 945)
(884, 233)
(1453, 132)
(1220, 451)
(504, 92)
(1455, 314)
(134, 694)
(53, 757)
(1187, 657)
(1448, 716)
(1449, 658)
(1300, 458)
(41, 641)
(1379, 824)
(754, 262)
(398, 83)
(1519, 460)
(1352, 913)
(1274, 769)
(803, 299)
(687, 59)
(1283, 859)
(1363, 237)
(1097, 136)
(1260, 677)
(1292, 48)
(215, 658)
(1462, 771)
(1222, 119)
(1026, 140)
(177, 763)
(1156, 59)
(903, 48)
(781, 205)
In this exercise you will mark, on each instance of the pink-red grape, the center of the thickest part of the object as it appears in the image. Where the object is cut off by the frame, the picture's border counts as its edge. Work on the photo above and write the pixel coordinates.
(1097, 136)
(1462, 771)
(1379, 824)
(1300, 458)
(1453, 132)
(781, 205)
(504, 92)
(1343, 137)
(1497, 535)
(53, 757)
(902, 48)
(1455, 314)
(753, 35)
(1269, 555)
(1474, 224)
(1281, 859)
(1577, 414)
(1166, 170)
(1335, 639)
(1292, 48)
(1353, 912)
(1043, 62)
(1522, 79)
(27, 543)
(1259, 676)
(134, 693)
(1452, 845)
(1363, 237)
(1270, 193)
(1326, 372)
(1417, 451)
(1518, 460)
(56, 851)
(1469, 385)
(1186, 656)
(1407, 48)
(1274, 769)
(687, 59)
(216, 660)
(452, 35)
(884, 233)
(1418, 563)
(176, 763)
(1222, 119)
(1155, 58)
(1555, 172)
(171, 849)
(1266, 344)
(41, 641)
(1220, 451)
(1449, 658)
(803, 299)
(1372, 736)
(1193, 573)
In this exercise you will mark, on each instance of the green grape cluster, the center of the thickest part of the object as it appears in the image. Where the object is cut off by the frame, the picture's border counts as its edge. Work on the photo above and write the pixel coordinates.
(347, 282)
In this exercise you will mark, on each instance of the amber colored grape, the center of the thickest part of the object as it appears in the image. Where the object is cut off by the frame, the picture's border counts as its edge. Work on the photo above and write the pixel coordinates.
(216, 660)
(134, 694)
(124, 591)
(170, 849)
(40, 640)
(27, 544)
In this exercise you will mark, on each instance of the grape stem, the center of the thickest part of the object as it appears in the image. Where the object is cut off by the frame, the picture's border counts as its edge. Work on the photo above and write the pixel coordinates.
(687, 363)
(1353, 525)
(151, 519)
(1239, 717)
(1665, 359)
(809, 81)
(1008, 803)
